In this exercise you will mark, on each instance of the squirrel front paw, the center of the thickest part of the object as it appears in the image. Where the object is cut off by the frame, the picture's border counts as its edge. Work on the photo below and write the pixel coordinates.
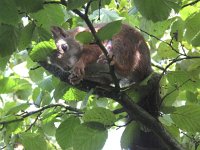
(77, 73)
(102, 58)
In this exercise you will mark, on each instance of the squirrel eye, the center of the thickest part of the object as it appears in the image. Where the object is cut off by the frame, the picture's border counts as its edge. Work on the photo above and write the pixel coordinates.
(64, 47)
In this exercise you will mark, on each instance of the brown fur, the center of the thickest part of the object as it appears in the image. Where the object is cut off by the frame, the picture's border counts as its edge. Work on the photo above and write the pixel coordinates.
(131, 58)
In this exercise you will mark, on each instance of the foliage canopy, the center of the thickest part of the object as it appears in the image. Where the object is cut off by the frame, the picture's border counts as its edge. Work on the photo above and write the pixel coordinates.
(41, 112)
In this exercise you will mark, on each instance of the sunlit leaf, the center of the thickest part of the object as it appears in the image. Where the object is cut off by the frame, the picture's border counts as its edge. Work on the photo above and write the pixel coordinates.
(42, 50)
(74, 94)
(10, 85)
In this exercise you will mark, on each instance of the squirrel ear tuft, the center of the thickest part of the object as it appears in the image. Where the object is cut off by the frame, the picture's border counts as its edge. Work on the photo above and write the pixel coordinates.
(59, 32)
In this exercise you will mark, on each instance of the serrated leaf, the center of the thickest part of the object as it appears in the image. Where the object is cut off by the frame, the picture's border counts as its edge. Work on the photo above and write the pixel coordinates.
(150, 9)
(74, 95)
(8, 12)
(26, 36)
(187, 118)
(32, 141)
(74, 4)
(42, 50)
(8, 39)
(65, 132)
(84, 37)
(100, 115)
(30, 5)
(107, 31)
(47, 18)
(87, 138)
(130, 133)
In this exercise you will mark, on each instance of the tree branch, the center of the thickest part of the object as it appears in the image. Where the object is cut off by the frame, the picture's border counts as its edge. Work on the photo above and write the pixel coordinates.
(176, 60)
(25, 115)
(190, 4)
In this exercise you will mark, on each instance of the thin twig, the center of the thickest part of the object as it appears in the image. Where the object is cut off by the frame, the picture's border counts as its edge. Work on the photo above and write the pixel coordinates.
(190, 4)
(88, 6)
(32, 124)
(40, 110)
(176, 60)
(176, 88)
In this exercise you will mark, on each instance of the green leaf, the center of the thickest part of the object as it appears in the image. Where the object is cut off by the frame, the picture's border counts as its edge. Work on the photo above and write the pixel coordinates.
(8, 39)
(51, 15)
(16, 109)
(74, 94)
(84, 37)
(65, 132)
(74, 4)
(37, 74)
(107, 32)
(164, 51)
(49, 128)
(3, 62)
(32, 141)
(100, 115)
(130, 133)
(187, 118)
(60, 90)
(177, 27)
(182, 80)
(30, 5)
(87, 138)
(46, 84)
(95, 4)
(150, 9)
(193, 28)
(42, 50)
(105, 15)
(26, 36)
(191, 97)
(195, 41)
(11, 85)
(8, 12)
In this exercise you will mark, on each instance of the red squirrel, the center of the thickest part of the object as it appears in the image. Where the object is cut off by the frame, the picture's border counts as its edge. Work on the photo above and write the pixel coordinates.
(131, 56)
